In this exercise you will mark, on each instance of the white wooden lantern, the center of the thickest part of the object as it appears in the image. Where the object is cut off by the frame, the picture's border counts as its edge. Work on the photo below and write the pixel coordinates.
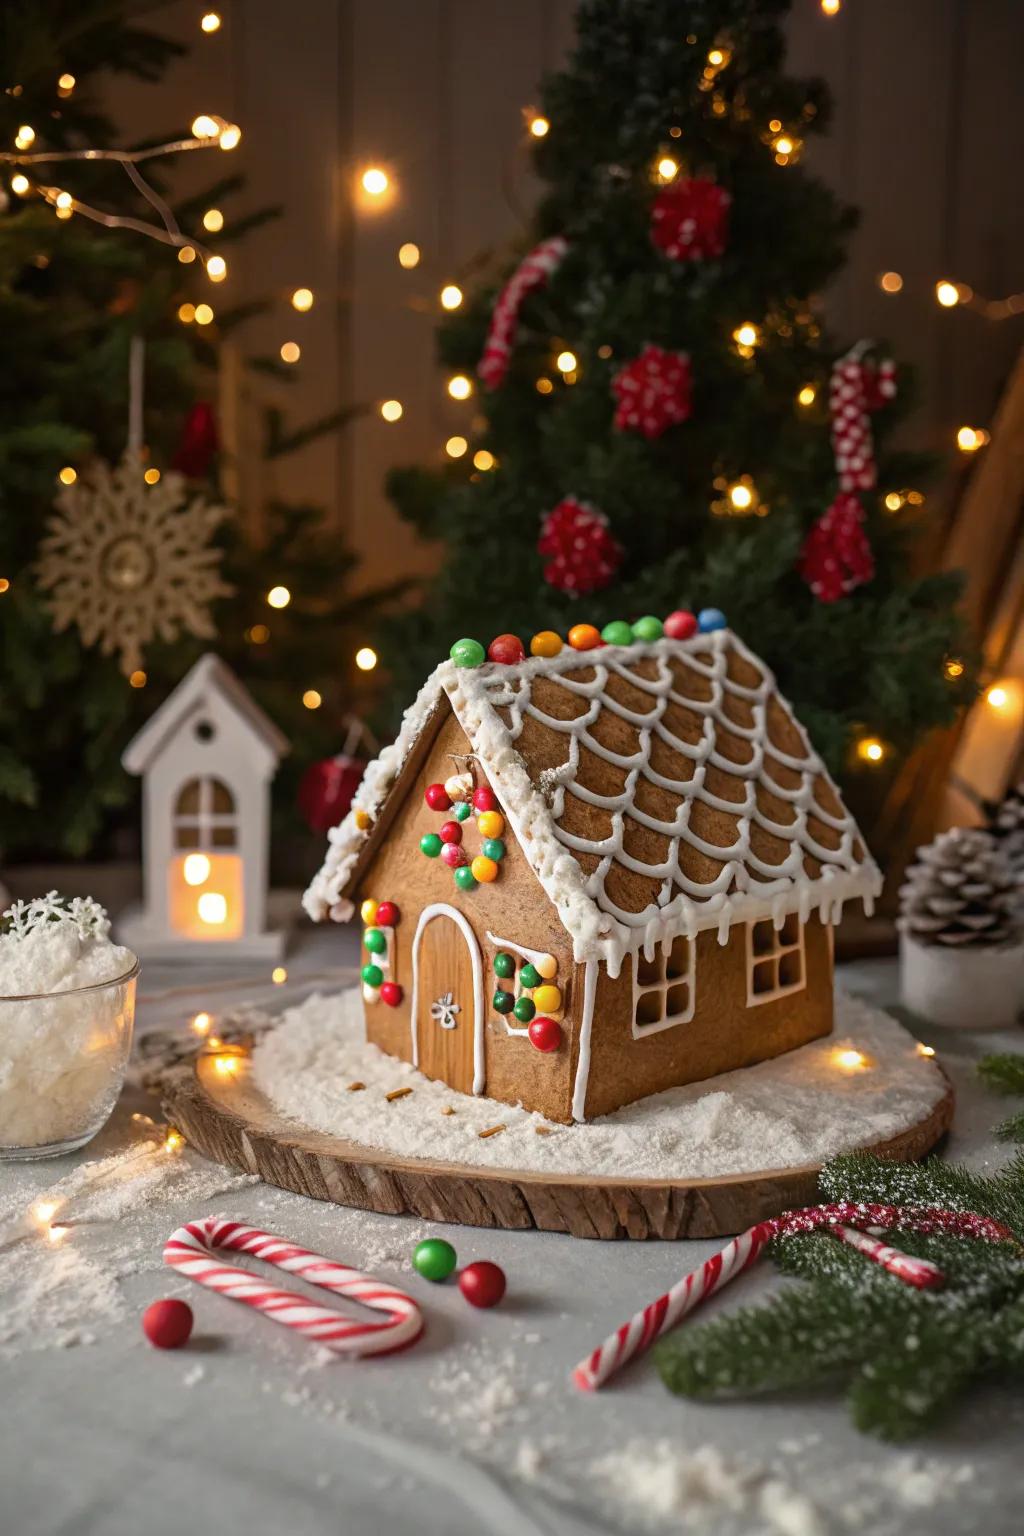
(206, 758)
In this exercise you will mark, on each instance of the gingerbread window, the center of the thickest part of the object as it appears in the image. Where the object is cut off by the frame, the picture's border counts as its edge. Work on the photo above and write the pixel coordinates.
(776, 964)
(663, 987)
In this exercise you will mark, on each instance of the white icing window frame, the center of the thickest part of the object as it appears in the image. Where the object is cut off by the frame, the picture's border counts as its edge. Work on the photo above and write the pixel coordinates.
(530, 955)
(781, 949)
(663, 984)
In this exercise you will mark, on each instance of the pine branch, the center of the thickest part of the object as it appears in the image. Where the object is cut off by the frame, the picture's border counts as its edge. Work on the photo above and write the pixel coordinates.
(1004, 1072)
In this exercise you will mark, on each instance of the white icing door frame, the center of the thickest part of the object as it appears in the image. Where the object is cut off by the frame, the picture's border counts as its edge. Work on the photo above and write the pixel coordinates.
(442, 909)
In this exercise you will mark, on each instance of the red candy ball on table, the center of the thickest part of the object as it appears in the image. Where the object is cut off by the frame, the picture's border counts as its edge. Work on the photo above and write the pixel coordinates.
(453, 855)
(390, 993)
(482, 1284)
(484, 799)
(387, 915)
(545, 1034)
(437, 797)
(167, 1324)
(506, 649)
(451, 832)
(680, 625)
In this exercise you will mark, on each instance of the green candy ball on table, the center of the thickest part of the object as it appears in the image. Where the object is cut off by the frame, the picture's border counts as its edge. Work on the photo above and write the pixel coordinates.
(648, 629)
(375, 941)
(524, 1010)
(463, 811)
(494, 848)
(530, 977)
(434, 1259)
(431, 845)
(468, 653)
(465, 878)
(372, 975)
(618, 632)
(502, 1002)
(504, 965)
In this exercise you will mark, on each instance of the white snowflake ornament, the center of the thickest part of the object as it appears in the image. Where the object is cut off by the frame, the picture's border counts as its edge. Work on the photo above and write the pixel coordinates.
(128, 562)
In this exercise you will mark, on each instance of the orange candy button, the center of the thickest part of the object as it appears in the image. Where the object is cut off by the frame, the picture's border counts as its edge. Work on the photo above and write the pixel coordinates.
(547, 643)
(484, 870)
(584, 637)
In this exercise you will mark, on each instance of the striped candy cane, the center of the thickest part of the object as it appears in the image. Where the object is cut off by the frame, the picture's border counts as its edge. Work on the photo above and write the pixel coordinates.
(190, 1249)
(844, 1219)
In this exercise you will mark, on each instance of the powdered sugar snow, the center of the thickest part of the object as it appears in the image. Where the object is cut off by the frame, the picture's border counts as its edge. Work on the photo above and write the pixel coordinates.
(797, 1109)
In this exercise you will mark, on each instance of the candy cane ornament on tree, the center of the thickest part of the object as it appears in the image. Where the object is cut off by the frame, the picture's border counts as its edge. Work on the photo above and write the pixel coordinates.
(843, 1220)
(190, 1250)
(533, 272)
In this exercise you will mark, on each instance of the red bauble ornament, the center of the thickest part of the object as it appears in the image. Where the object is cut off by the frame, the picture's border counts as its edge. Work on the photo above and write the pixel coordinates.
(198, 442)
(451, 832)
(390, 993)
(453, 855)
(387, 915)
(582, 556)
(689, 219)
(482, 1283)
(326, 790)
(484, 799)
(678, 626)
(167, 1324)
(506, 649)
(437, 797)
(545, 1034)
(836, 556)
(652, 392)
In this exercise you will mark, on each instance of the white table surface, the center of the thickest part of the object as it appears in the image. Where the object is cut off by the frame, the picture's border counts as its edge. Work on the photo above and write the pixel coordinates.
(247, 1431)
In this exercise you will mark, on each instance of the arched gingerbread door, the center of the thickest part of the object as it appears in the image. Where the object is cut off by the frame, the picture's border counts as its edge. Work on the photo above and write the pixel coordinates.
(448, 1018)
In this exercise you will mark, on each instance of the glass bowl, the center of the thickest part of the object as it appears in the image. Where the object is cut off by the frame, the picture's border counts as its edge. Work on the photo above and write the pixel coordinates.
(63, 1057)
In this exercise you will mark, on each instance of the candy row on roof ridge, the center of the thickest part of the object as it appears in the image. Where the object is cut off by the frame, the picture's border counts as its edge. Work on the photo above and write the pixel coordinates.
(508, 650)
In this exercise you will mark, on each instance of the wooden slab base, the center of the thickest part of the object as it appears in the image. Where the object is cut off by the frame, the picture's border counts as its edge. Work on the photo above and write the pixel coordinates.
(228, 1119)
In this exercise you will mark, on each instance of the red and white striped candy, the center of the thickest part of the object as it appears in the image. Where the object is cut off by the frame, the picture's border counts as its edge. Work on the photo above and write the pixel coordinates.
(533, 272)
(190, 1249)
(920, 1273)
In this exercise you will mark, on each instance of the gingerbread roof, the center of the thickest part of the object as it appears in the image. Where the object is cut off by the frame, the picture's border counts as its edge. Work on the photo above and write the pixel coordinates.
(655, 789)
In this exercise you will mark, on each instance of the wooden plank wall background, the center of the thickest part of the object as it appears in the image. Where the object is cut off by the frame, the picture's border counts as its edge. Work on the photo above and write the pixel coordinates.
(928, 140)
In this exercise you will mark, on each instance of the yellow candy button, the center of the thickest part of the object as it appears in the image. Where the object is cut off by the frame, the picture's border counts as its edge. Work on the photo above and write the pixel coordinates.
(547, 643)
(368, 912)
(491, 823)
(484, 870)
(547, 965)
(546, 999)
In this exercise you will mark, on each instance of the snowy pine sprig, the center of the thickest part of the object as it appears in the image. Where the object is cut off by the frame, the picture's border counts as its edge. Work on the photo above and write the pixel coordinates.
(82, 912)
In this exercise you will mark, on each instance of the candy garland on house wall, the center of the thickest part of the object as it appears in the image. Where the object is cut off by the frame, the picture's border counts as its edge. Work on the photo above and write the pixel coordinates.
(380, 919)
(458, 795)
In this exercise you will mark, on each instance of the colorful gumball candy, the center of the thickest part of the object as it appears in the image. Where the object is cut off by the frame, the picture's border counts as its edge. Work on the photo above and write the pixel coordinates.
(507, 650)
(482, 1283)
(524, 1009)
(546, 643)
(484, 869)
(391, 993)
(387, 915)
(648, 629)
(548, 966)
(465, 878)
(484, 799)
(681, 625)
(431, 845)
(375, 941)
(530, 977)
(437, 797)
(491, 823)
(618, 632)
(454, 855)
(372, 974)
(504, 965)
(463, 811)
(168, 1324)
(548, 999)
(502, 1002)
(434, 1259)
(584, 637)
(545, 1033)
(709, 619)
(494, 849)
(368, 912)
(468, 653)
(450, 832)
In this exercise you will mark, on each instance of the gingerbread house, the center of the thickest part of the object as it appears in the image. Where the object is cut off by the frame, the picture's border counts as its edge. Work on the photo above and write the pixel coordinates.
(590, 876)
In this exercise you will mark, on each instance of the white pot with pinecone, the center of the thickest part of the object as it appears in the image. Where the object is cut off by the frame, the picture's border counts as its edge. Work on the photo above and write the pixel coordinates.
(961, 942)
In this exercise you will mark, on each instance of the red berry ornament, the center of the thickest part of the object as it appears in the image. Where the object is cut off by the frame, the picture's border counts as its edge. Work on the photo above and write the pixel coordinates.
(579, 552)
(689, 219)
(453, 855)
(437, 797)
(167, 1324)
(678, 626)
(484, 799)
(545, 1034)
(390, 993)
(482, 1284)
(387, 915)
(652, 392)
(451, 832)
(506, 649)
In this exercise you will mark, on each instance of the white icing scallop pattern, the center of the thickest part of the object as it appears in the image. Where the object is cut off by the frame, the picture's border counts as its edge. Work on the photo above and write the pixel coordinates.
(747, 886)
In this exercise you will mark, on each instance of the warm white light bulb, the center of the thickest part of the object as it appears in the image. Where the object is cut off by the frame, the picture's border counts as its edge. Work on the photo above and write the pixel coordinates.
(210, 22)
(290, 352)
(741, 496)
(212, 908)
(375, 181)
(366, 658)
(204, 127)
(997, 697)
(279, 597)
(539, 126)
(459, 387)
(451, 296)
(230, 136)
(311, 699)
(204, 314)
(947, 293)
(213, 220)
(216, 269)
(20, 184)
(667, 168)
(565, 362)
(391, 410)
(196, 869)
(455, 447)
(408, 255)
(302, 299)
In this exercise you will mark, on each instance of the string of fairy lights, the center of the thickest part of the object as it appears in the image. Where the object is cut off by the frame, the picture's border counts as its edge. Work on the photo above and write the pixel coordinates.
(376, 189)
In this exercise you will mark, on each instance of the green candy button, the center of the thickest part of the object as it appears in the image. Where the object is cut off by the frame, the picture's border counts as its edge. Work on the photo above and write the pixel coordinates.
(468, 653)
(618, 632)
(372, 975)
(648, 628)
(434, 1259)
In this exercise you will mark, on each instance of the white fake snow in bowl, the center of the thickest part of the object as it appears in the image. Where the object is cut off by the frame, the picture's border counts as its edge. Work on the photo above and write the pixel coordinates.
(798, 1109)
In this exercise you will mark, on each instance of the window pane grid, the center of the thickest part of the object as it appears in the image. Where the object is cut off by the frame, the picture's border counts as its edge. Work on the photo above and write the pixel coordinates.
(663, 989)
(775, 959)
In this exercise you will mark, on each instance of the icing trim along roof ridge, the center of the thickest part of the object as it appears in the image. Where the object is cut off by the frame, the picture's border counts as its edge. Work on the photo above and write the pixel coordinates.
(746, 886)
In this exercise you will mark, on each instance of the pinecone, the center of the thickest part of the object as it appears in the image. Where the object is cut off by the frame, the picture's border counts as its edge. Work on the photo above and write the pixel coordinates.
(1006, 823)
(961, 891)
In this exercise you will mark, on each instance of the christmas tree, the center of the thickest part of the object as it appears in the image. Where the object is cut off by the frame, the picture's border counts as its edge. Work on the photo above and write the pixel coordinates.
(651, 379)
(74, 296)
